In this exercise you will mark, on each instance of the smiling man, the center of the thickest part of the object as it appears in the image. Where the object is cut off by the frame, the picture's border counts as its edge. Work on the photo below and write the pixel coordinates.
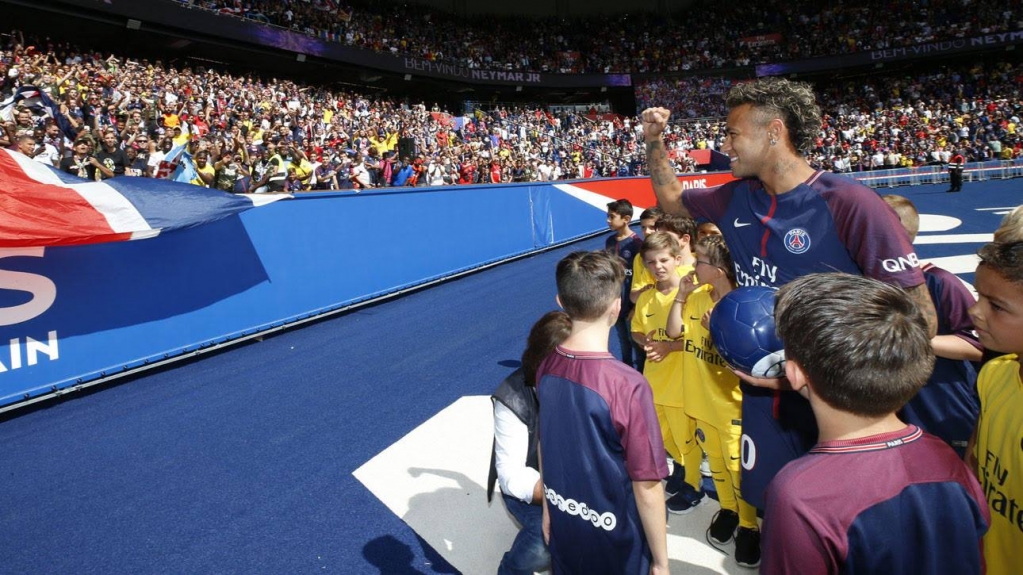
(783, 219)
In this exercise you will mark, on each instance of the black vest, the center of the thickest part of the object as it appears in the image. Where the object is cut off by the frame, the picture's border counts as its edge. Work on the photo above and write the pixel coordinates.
(521, 400)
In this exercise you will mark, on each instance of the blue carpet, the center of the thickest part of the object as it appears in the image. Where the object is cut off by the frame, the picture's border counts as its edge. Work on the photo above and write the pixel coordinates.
(243, 462)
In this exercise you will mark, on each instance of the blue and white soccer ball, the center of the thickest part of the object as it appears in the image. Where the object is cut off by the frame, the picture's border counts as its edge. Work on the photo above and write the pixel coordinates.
(742, 328)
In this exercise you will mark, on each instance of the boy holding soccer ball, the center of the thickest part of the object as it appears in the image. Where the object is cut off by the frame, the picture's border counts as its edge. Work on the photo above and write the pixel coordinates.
(874, 495)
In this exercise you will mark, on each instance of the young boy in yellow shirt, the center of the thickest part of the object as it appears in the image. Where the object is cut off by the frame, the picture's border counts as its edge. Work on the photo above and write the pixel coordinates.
(995, 450)
(663, 369)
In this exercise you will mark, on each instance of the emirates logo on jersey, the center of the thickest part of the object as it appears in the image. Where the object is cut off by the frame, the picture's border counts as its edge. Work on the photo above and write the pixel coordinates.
(797, 241)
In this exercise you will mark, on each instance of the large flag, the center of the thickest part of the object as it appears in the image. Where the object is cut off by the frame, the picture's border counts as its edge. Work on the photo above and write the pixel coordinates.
(41, 206)
(40, 103)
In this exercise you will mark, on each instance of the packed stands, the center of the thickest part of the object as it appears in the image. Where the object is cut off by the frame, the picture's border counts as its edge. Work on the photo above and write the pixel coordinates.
(340, 139)
(696, 38)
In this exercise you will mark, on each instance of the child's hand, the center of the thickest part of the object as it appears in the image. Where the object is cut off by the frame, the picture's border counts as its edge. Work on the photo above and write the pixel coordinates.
(781, 383)
(656, 351)
(705, 320)
(688, 285)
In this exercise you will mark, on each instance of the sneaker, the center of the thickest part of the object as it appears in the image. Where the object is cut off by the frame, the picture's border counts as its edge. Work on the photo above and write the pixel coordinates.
(684, 501)
(705, 467)
(675, 481)
(747, 547)
(722, 527)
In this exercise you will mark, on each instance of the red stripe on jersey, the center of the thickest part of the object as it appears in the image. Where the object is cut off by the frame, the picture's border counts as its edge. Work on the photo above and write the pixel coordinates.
(764, 220)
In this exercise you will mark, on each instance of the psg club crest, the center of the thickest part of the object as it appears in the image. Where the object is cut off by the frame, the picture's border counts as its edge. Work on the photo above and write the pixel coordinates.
(797, 241)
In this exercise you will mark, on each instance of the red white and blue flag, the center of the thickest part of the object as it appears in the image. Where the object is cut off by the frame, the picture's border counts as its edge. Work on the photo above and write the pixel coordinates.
(39, 103)
(41, 206)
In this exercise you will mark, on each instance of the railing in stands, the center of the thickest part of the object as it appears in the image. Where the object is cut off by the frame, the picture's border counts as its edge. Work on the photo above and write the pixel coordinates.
(936, 174)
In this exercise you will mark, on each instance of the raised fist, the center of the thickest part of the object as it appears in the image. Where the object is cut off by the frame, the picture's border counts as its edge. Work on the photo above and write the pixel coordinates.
(654, 122)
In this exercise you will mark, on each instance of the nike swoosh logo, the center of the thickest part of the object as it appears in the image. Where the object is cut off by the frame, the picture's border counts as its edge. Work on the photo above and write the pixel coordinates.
(739, 224)
(694, 318)
(650, 315)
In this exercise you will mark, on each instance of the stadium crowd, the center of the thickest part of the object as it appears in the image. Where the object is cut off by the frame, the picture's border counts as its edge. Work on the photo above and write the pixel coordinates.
(256, 134)
(700, 37)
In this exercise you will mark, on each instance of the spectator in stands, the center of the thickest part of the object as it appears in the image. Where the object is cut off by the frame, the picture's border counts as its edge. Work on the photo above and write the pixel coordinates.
(81, 162)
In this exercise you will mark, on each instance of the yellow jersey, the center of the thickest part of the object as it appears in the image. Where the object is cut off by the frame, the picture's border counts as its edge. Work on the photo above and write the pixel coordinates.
(665, 376)
(711, 389)
(1000, 461)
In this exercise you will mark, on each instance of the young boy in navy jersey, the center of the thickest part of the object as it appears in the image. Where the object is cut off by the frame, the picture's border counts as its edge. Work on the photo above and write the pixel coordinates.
(948, 405)
(625, 244)
(874, 495)
(601, 453)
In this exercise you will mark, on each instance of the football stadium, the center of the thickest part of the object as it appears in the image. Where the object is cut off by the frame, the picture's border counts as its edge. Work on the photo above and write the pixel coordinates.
(199, 373)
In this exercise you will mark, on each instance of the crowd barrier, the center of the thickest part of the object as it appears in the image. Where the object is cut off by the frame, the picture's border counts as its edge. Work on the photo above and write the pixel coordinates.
(73, 316)
(937, 174)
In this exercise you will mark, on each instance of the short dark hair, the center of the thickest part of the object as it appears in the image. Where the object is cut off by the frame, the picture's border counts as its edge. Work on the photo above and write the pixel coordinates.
(546, 334)
(1005, 259)
(678, 225)
(621, 207)
(862, 343)
(793, 102)
(652, 213)
(588, 282)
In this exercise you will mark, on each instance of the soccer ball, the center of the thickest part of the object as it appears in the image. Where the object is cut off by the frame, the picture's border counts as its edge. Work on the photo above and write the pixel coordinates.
(742, 328)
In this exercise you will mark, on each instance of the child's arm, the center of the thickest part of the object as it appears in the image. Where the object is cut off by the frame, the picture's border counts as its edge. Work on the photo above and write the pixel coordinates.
(685, 287)
(641, 280)
(639, 337)
(650, 502)
(952, 300)
(955, 347)
(545, 521)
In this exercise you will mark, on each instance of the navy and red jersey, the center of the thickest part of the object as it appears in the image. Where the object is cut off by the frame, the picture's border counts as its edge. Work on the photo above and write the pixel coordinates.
(627, 250)
(598, 433)
(827, 224)
(896, 503)
(948, 405)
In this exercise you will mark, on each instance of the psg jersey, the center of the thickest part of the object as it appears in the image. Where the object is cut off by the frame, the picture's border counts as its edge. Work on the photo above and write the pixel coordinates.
(598, 433)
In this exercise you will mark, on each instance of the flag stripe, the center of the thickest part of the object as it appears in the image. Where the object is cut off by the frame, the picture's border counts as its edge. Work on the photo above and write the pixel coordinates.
(120, 214)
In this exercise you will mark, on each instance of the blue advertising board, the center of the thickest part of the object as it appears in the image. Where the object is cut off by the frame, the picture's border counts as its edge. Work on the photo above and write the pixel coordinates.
(76, 314)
